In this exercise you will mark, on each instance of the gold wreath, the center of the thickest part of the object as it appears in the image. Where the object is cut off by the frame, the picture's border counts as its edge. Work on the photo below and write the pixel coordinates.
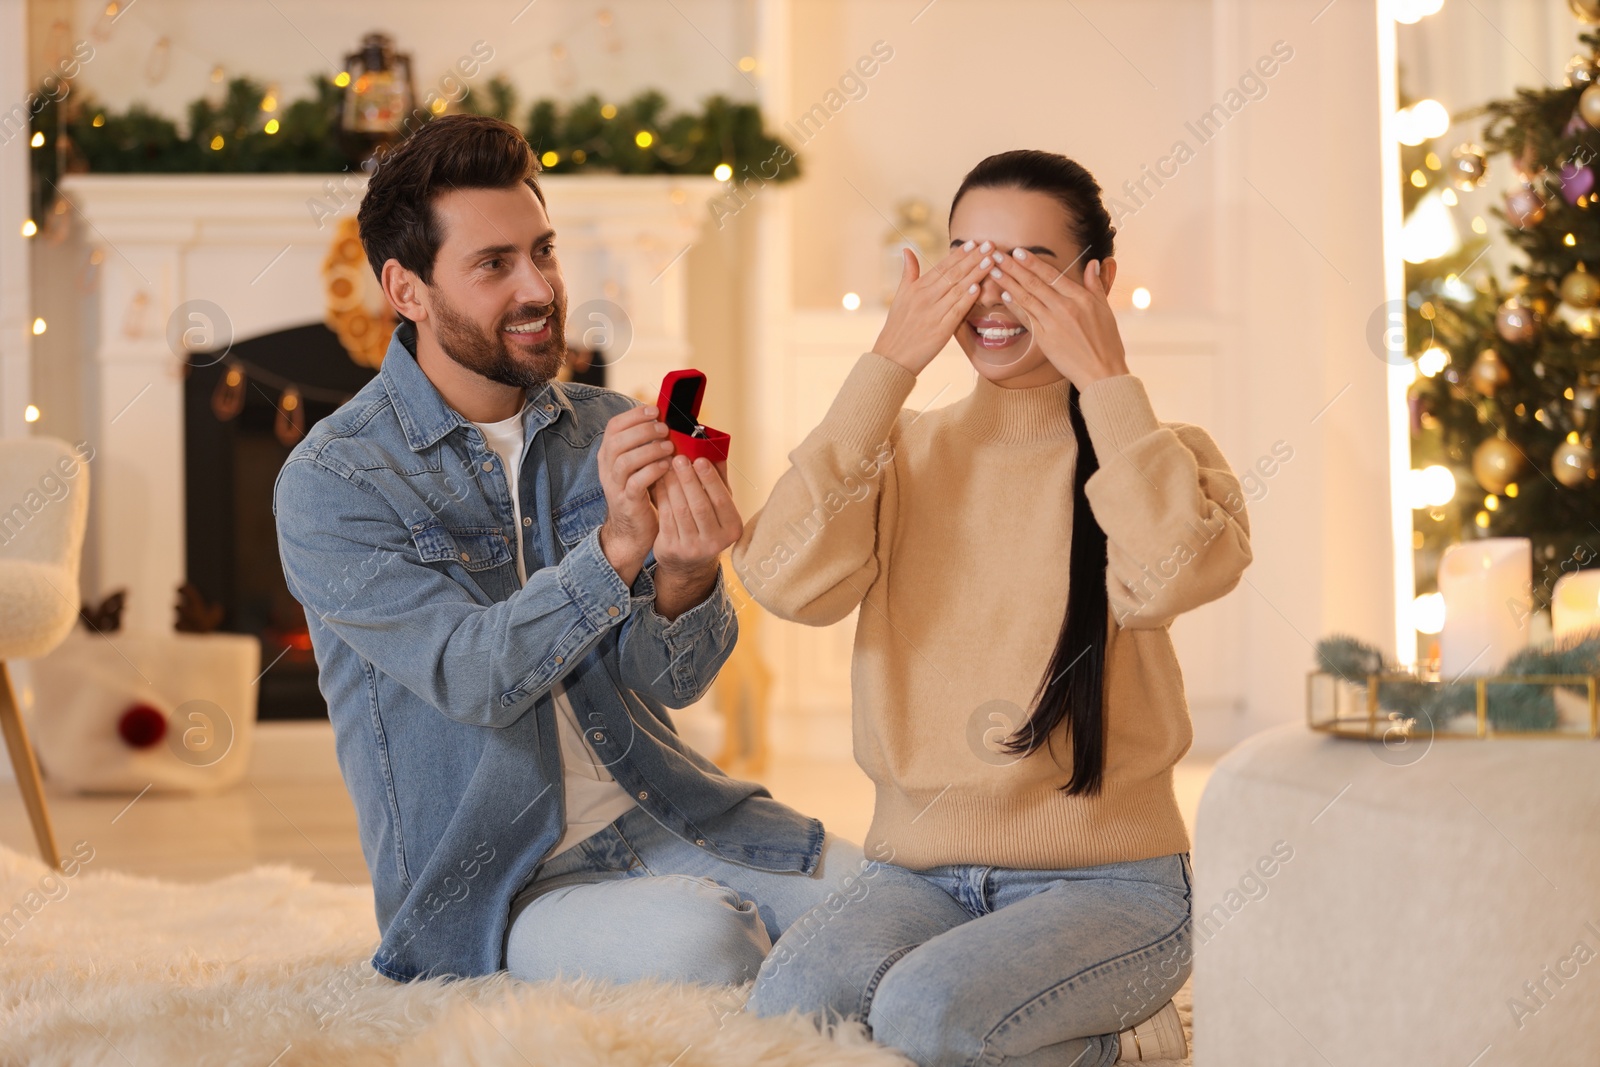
(363, 324)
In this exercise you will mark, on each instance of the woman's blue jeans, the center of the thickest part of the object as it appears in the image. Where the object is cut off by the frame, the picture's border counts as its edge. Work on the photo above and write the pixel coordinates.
(970, 965)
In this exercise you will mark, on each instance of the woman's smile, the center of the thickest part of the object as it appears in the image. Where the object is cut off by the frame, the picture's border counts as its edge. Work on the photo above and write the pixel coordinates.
(992, 331)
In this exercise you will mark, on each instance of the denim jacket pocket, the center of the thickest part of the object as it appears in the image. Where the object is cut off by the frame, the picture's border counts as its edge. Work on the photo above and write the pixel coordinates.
(474, 547)
(580, 515)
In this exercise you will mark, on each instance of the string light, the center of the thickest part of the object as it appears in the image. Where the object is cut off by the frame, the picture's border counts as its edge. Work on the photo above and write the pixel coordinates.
(723, 172)
(29, 228)
(39, 327)
(644, 138)
(37, 140)
(851, 301)
(1141, 298)
(608, 111)
(30, 414)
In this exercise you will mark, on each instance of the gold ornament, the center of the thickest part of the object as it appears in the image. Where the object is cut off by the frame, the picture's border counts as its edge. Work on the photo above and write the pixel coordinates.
(1581, 70)
(1585, 322)
(1489, 372)
(1585, 10)
(357, 310)
(1516, 321)
(1468, 167)
(290, 423)
(1573, 464)
(1495, 463)
(227, 399)
(1589, 105)
(1580, 288)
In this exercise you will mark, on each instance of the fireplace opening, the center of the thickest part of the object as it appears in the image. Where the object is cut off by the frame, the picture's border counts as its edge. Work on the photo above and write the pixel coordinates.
(230, 467)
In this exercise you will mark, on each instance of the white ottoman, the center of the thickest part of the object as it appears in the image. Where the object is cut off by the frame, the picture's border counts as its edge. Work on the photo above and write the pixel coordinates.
(1432, 904)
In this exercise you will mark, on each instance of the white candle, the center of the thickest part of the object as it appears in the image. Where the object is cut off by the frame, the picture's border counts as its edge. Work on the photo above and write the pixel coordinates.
(1575, 604)
(1487, 587)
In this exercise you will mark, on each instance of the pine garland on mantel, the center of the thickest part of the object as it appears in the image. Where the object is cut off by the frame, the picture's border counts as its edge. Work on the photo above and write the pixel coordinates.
(640, 136)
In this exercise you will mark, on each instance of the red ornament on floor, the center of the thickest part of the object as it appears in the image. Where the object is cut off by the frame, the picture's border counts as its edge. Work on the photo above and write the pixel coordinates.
(142, 726)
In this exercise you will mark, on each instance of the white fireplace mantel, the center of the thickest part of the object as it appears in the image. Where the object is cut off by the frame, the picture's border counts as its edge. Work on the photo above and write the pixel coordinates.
(253, 245)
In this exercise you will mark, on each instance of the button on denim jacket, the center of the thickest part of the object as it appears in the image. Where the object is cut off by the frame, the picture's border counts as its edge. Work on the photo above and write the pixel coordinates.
(394, 526)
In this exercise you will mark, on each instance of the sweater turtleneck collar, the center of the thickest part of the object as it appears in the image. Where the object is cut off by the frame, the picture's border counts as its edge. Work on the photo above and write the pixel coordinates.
(1015, 416)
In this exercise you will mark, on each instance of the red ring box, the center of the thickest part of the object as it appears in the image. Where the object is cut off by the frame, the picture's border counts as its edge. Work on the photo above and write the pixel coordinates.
(679, 407)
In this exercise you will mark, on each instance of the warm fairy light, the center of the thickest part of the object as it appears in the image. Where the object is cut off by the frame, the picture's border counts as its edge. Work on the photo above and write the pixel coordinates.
(1431, 487)
(438, 106)
(1491, 503)
(37, 140)
(99, 120)
(1572, 438)
(747, 64)
(1433, 360)
(851, 301)
(550, 159)
(1421, 121)
(30, 414)
(216, 143)
(1419, 179)
(1410, 11)
(608, 111)
(271, 126)
(1511, 489)
(269, 103)
(1141, 298)
(644, 138)
(1570, 241)
(1431, 161)
(342, 79)
(39, 327)
(1449, 197)
(29, 228)
(1427, 613)
(723, 172)
(1481, 520)
(1478, 225)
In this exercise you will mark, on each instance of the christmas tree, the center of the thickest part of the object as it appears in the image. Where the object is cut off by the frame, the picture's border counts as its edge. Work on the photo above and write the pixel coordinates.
(1507, 377)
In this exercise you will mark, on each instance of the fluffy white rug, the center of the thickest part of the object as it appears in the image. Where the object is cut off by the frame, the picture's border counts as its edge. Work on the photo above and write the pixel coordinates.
(268, 968)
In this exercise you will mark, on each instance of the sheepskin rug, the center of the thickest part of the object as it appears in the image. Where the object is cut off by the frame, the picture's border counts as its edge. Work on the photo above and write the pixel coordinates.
(269, 968)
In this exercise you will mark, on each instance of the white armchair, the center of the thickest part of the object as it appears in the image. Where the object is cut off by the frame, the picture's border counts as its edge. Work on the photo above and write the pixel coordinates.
(44, 507)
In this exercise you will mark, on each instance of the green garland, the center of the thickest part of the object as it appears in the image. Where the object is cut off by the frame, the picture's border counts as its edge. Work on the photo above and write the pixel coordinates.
(587, 136)
(1509, 707)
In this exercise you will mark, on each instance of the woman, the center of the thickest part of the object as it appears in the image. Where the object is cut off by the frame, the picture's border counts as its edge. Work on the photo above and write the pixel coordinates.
(1017, 557)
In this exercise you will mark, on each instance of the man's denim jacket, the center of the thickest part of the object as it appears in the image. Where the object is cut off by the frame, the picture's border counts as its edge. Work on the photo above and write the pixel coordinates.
(394, 525)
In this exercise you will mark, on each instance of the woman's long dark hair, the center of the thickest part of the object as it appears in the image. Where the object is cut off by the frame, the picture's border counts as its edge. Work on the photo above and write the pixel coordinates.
(1072, 690)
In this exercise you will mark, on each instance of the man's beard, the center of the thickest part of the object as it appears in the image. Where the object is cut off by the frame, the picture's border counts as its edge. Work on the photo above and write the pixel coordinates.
(490, 355)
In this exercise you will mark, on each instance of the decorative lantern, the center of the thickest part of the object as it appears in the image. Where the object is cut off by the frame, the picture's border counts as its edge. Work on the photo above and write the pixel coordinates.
(379, 100)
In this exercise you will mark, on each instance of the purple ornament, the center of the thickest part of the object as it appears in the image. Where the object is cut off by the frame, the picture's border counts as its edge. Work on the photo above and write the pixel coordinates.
(1576, 181)
(1574, 125)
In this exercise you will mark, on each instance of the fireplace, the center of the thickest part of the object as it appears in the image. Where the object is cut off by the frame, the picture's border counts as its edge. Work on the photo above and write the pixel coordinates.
(230, 466)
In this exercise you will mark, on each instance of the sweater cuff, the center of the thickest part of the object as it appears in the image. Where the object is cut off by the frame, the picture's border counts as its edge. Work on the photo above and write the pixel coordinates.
(869, 401)
(1117, 412)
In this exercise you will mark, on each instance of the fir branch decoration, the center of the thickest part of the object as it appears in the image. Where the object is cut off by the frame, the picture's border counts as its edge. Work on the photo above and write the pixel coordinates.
(640, 136)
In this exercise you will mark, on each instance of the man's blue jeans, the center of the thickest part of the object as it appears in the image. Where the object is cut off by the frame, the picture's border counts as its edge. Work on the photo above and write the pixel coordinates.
(637, 901)
(983, 965)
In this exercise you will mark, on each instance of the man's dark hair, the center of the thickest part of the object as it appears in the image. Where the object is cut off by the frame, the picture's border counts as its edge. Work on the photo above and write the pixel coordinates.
(396, 218)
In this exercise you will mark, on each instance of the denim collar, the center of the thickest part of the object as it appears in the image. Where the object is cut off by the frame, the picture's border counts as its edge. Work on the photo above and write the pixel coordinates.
(423, 413)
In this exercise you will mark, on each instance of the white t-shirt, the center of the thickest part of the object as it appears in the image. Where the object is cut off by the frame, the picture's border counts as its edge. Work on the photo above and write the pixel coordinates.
(594, 799)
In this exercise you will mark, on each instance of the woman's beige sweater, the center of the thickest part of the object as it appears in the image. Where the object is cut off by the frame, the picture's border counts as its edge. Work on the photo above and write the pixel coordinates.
(950, 529)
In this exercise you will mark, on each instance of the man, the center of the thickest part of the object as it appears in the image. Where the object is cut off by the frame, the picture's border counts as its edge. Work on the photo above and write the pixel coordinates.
(506, 579)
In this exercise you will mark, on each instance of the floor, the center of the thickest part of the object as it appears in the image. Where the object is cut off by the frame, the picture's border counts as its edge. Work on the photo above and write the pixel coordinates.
(294, 810)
